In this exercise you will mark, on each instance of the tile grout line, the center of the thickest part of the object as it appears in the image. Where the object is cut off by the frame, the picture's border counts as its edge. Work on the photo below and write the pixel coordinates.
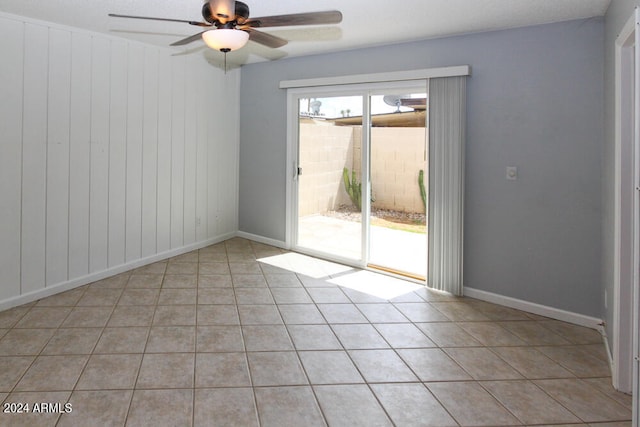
(144, 351)
(395, 350)
(293, 345)
(244, 345)
(90, 355)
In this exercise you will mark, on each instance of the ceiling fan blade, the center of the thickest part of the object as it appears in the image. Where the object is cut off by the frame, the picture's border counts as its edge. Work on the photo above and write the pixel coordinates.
(223, 10)
(199, 24)
(188, 40)
(310, 18)
(266, 38)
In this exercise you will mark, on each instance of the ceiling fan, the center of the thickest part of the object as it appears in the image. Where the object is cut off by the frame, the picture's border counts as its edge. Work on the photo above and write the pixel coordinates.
(229, 26)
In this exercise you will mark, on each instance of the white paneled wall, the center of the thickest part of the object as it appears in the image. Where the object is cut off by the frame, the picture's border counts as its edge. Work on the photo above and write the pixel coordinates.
(113, 154)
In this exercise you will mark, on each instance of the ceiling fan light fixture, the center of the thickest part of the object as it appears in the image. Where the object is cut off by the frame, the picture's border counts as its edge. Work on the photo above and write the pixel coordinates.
(225, 39)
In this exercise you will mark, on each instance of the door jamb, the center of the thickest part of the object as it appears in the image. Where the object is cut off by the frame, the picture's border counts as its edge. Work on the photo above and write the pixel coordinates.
(622, 349)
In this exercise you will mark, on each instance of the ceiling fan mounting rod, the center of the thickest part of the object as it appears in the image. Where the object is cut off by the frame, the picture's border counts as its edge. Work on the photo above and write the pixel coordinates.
(229, 25)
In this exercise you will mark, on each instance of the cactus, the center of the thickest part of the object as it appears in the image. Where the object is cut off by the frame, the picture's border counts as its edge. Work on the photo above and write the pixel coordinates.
(353, 188)
(423, 191)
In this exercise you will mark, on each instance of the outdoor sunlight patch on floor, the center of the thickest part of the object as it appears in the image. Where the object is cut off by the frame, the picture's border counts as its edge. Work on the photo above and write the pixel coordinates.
(374, 284)
(305, 265)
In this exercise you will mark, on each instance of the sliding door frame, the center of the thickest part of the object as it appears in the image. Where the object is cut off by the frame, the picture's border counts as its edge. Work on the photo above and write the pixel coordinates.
(366, 91)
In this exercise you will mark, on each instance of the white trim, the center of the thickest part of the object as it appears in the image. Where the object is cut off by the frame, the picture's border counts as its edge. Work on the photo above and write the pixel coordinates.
(621, 327)
(264, 240)
(423, 74)
(236, 139)
(90, 278)
(355, 89)
(365, 178)
(291, 173)
(531, 307)
(607, 348)
(636, 228)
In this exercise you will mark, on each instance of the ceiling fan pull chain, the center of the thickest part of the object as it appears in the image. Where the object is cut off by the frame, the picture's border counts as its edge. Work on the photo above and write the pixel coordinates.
(225, 51)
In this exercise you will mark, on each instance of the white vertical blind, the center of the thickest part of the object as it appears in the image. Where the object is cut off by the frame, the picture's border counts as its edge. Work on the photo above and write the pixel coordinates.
(447, 118)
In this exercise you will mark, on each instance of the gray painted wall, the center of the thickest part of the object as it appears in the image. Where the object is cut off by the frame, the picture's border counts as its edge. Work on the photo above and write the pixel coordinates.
(617, 15)
(534, 101)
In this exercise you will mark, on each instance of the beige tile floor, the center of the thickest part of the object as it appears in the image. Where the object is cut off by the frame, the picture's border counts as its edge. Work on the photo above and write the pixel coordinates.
(243, 334)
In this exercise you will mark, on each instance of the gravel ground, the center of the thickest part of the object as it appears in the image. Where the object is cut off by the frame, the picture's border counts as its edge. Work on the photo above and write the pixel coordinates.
(349, 213)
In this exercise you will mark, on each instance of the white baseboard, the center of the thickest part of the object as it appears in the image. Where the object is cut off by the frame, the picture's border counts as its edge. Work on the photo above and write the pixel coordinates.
(265, 240)
(612, 366)
(541, 310)
(93, 277)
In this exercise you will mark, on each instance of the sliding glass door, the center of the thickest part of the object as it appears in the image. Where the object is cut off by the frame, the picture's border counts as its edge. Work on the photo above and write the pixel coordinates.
(329, 215)
(360, 176)
(398, 175)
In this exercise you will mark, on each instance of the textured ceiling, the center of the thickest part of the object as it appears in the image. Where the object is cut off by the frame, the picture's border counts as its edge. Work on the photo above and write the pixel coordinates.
(366, 22)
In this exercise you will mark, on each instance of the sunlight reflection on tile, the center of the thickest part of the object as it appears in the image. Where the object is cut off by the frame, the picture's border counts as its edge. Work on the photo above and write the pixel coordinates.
(303, 264)
(378, 285)
(368, 282)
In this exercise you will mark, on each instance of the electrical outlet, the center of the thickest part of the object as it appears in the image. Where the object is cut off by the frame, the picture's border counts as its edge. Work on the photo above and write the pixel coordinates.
(198, 222)
(512, 173)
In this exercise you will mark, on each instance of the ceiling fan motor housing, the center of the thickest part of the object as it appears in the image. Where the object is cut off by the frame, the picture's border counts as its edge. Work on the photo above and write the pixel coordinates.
(241, 13)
